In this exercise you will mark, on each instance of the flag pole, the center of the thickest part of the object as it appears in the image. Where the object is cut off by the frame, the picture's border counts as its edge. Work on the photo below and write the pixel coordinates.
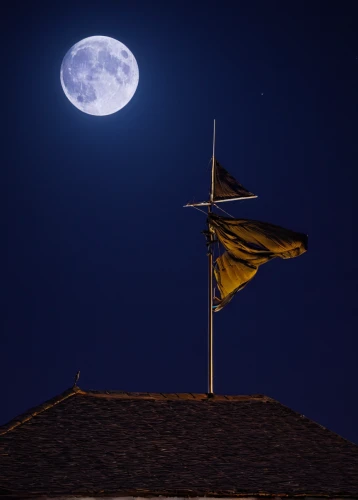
(210, 272)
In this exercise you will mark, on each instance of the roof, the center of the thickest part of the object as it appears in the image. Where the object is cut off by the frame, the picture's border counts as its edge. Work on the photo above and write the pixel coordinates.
(141, 444)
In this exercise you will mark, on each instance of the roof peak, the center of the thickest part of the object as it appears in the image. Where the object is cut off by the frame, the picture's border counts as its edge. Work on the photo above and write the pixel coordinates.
(106, 394)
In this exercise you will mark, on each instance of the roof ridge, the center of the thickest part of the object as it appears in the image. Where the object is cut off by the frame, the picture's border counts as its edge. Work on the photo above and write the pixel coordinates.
(174, 395)
(184, 396)
(36, 410)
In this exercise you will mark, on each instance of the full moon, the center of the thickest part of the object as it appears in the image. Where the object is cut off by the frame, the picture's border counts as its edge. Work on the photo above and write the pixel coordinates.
(99, 75)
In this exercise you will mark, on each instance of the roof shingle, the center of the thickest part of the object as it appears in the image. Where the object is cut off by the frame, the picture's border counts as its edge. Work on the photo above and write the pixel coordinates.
(143, 444)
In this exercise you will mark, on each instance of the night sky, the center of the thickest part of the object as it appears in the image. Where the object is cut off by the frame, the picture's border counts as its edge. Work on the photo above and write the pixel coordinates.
(106, 272)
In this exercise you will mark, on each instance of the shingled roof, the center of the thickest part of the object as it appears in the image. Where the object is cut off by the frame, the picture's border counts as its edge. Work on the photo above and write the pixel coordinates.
(89, 443)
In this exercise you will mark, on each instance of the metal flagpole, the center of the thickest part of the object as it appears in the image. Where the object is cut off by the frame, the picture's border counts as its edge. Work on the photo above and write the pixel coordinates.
(210, 295)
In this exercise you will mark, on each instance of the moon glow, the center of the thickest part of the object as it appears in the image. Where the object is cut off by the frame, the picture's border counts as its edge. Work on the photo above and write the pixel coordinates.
(99, 75)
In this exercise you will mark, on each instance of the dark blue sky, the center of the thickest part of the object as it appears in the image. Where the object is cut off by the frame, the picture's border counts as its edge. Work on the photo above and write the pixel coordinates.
(107, 273)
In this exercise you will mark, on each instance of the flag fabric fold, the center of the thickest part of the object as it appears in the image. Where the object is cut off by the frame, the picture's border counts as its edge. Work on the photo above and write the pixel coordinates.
(226, 186)
(248, 244)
